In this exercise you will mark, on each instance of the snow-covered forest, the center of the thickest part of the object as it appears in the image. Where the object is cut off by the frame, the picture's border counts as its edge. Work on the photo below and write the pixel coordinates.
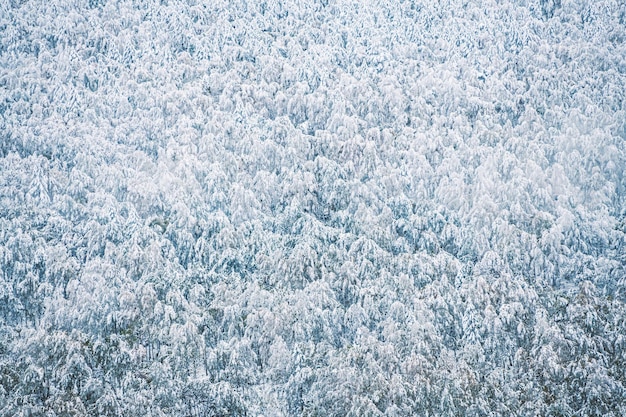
(312, 208)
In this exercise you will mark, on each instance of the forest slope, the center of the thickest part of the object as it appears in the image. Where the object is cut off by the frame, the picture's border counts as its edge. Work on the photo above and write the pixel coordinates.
(316, 208)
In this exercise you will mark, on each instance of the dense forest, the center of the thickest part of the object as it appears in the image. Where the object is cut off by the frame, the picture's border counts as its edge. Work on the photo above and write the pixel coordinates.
(312, 208)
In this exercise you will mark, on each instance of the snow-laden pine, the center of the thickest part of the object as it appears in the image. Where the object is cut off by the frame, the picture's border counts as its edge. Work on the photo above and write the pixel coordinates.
(312, 208)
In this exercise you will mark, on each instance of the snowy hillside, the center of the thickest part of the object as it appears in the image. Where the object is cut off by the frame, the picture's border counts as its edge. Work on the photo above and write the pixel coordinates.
(312, 208)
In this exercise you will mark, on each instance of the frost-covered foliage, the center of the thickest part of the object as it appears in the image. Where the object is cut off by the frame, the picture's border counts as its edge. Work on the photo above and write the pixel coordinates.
(312, 208)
